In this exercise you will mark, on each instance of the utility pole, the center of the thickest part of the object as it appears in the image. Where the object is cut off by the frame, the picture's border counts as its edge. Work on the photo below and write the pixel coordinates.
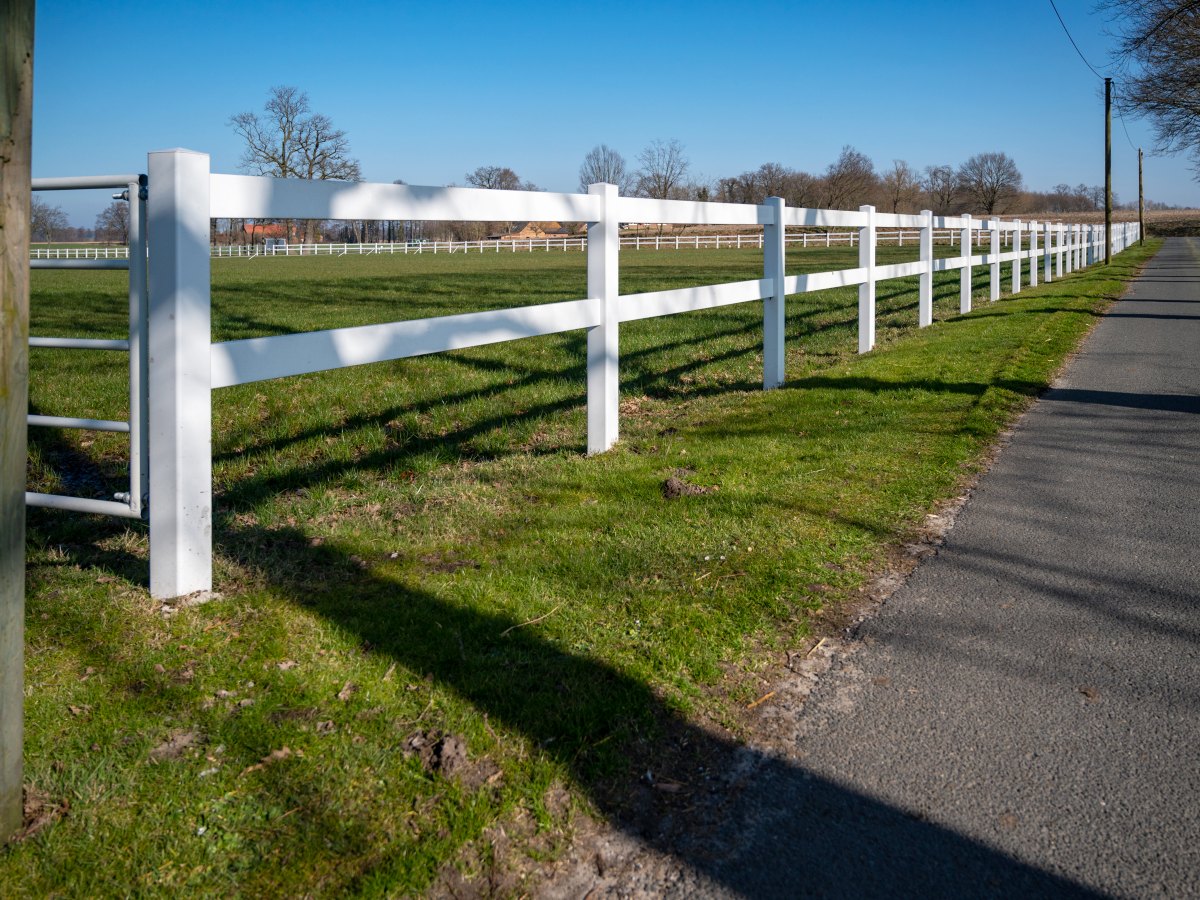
(1107, 169)
(16, 77)
(1141, 203)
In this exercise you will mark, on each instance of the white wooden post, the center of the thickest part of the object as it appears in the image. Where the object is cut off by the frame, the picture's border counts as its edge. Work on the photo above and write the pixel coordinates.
(1046, 252)
(1058, 250)
(774, 306)
(994, 259)
(866, 290)
(1016, 260)
(180, 387)
(1033, 261)
(964, 275)
(603, 369)
(925, 300)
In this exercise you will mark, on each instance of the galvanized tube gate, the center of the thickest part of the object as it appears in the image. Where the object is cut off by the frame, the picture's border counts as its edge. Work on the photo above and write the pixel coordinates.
(129, 504)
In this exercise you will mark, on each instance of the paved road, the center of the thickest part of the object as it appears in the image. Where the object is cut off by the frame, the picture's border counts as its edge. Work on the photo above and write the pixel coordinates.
(1023, 718)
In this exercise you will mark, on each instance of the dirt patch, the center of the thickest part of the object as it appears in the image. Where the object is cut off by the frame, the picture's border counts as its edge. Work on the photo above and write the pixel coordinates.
(176, 744)
(446, 564)
(446, 755)
(40, 810)
(677, 486)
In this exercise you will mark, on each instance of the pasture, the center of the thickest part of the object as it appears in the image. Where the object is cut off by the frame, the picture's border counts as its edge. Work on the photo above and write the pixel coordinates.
(438, 622)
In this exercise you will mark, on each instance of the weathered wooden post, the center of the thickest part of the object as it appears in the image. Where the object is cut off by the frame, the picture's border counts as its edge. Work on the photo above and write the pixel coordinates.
(16, 104)
(774, 306)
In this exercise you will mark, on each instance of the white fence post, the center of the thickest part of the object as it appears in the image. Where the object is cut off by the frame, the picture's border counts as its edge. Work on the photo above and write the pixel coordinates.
(994, 259)
(603, 363)
(1016, 260)
(1058, 250)
(964, 275)
(866, 290)
(1033, 260)
(774, 306)
(925, 299)
(180, 387)
(1046, 252)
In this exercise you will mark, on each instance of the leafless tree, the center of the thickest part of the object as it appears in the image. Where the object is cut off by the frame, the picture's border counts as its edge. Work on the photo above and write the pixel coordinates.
(941, 188)
(769, 180)
(112, 224)
(45, 221)
(1159, 49)
(990, 182)
(663, 170)
(498, 178)
(289, 140)
(850, 181)
(604, 164)
(901, 187)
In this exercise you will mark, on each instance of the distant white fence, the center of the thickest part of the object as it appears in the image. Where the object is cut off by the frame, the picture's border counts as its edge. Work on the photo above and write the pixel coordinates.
(803, 240)
(185, 366)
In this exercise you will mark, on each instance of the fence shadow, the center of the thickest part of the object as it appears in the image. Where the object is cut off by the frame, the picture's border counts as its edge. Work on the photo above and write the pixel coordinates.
(811, 836)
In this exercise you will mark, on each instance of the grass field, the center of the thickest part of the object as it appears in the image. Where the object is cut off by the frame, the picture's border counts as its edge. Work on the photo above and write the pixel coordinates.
(442, 629)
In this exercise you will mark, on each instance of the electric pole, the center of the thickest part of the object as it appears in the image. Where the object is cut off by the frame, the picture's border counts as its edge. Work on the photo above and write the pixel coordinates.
(1141, 203)
(1107, 169)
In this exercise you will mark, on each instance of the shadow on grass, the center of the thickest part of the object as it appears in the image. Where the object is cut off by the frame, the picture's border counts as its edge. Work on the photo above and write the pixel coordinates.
(744, 820)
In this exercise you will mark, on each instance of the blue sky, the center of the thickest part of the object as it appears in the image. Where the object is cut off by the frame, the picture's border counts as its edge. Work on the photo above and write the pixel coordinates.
(428, 91)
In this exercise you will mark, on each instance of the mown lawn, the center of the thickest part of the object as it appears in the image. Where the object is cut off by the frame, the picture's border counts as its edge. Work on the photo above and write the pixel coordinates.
(438, 618)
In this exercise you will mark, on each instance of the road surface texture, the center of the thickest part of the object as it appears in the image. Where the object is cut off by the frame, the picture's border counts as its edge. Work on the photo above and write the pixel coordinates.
(1022, 717)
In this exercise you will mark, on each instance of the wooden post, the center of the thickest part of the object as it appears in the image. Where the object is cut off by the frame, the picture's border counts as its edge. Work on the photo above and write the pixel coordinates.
(964, 299)
(16, 95)
(1108, 204)
(603, 384)
(1141, 202)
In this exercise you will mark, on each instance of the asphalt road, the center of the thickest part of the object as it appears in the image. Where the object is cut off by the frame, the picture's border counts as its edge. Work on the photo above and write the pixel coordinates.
(1021, 718)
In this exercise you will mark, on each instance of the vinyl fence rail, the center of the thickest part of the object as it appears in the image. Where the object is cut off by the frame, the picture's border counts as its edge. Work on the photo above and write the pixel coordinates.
(804, 240)
(185, 366)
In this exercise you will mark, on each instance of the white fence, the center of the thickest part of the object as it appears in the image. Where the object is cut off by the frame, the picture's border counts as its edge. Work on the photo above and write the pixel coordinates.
(185, 366)
(794, 241)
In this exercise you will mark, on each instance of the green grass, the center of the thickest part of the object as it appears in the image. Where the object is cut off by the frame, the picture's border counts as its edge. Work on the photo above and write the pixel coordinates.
(421, 548)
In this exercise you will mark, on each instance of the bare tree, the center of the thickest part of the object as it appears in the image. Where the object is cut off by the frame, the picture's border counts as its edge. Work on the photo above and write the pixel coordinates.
(112, 224)
(604, 164)
(497, 178)
(663, 170)
(289, 140)
(850, 181)
(990, 182)
(1159, 49)
(769, 180)
(45, 221)
(941, 188)
(901, 187)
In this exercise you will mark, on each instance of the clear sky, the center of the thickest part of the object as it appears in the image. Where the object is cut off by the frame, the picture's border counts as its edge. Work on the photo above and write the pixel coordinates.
(428, 91)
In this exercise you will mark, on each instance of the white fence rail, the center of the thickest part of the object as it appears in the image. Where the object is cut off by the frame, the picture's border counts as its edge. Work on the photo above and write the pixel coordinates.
(803, 240)
(185, 366)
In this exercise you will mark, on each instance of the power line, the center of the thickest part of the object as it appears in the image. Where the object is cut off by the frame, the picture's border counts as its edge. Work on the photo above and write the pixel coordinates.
(1067, 31)
(1126, 130)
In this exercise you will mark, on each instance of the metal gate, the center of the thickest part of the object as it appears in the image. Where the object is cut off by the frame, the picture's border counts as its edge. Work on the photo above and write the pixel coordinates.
(129, 504)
